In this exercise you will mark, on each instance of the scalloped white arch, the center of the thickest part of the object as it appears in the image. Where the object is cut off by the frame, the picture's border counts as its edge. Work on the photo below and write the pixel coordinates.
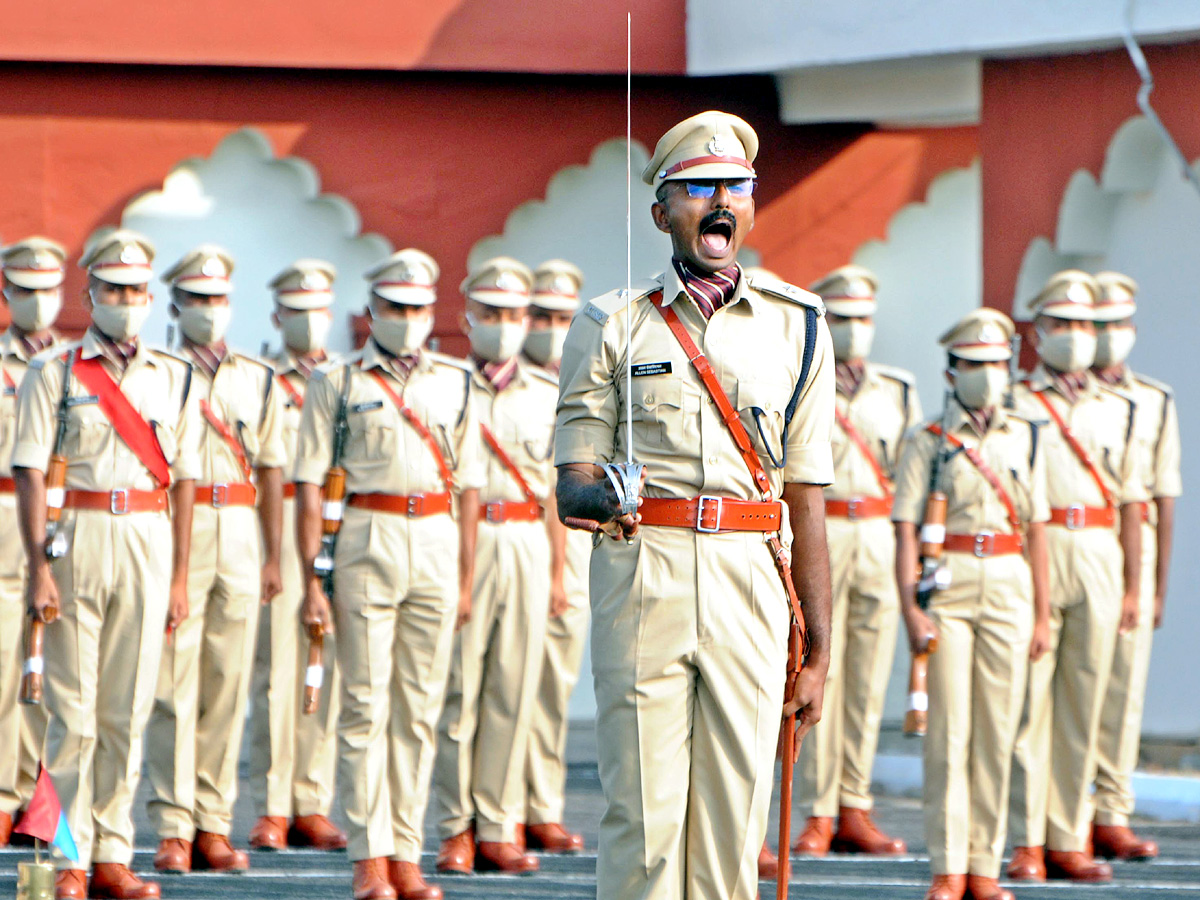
(268, 211)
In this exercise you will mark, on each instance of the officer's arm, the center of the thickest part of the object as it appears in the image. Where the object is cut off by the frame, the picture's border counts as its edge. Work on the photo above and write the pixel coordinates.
(270, 517)
(183, 495)
(308, 530)
(31, 455)
(1165, 535)
(810, 566)
(1131, 546)
(1167, 487)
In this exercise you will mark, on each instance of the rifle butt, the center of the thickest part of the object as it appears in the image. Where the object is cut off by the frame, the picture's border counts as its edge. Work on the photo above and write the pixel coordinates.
(31, 678)
(314, 672)
(916, 717)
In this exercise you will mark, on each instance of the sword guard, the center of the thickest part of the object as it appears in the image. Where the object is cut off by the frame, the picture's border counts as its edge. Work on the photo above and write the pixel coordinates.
(626, 480)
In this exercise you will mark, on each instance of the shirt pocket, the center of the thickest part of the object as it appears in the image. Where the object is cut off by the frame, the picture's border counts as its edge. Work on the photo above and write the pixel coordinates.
(372, 435)
(761, 405)
(658, 412)
(87, 428)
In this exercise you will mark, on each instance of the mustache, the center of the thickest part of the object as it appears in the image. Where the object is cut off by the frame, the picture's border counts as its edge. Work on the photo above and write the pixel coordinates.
(718, 215)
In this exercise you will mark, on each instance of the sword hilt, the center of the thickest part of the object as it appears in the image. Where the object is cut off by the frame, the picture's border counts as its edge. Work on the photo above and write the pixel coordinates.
(626, 479)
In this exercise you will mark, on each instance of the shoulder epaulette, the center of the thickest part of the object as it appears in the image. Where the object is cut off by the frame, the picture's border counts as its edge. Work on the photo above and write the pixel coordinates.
(256, 360)
(1154, 383)
(167, 354)
(896, 374)
(58, 351)
(777, 288)
(447, 360)
(600, 309)
(541, 374)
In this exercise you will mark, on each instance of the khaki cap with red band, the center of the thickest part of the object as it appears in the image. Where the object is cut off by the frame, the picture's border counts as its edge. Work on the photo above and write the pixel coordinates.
(556, 286)
(500, 281)
(1116, 300)
(984, 335)
(36, 263)
(204, 270)
(848, 291)
(1069, 294)
(709, 145)
(408, 277)
(119, 256)
(305, 284)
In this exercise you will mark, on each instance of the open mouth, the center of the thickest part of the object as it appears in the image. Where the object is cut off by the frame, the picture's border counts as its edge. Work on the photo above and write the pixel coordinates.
(717, 236)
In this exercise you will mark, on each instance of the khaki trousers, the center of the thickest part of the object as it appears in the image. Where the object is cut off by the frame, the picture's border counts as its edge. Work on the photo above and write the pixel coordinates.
(102, 660)
(395, 601)
(546, 775)
(976, 691)
(483, 742)
(195, 730)
(689, 650)
(1121, 721)
(837, 756)
(292, 755)
(1055, 759)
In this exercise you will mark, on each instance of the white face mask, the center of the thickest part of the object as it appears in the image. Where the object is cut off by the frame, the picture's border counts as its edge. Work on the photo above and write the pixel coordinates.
(980, 388)
(1067, 351)
(306, 332)
(121, 322)
(402, 337)
(497, 341)
(36, 310)
(545, 345)
(852, 339)
(1113, 346)
(205, 325)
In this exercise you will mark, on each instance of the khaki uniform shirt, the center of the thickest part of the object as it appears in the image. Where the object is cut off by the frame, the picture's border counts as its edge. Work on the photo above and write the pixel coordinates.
(1011, 448)
(1103, 423)
(14, 360)
(384, 453)
(883, 409)
(1157, 435)
(158, 385)
(286, 370)
(755, 345)
(243, 395)
(521, 417)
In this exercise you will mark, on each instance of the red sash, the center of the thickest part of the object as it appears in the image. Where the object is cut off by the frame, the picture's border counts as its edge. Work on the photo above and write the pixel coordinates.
(296, 397)
(1076, 448)
(506, 461)
(10, 386)
(419, 426)
(988, 475)
(860, 442)
(228, 436)
(135, 431)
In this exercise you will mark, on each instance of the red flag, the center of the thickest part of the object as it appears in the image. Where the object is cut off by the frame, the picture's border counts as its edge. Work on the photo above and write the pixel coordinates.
(42, 813)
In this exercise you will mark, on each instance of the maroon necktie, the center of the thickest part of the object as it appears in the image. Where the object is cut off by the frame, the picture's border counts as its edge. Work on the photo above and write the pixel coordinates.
(709, 291)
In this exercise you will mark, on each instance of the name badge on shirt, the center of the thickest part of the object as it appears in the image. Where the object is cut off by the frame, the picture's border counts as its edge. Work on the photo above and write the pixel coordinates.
(657, 368)
(82, 401)
(366, 407)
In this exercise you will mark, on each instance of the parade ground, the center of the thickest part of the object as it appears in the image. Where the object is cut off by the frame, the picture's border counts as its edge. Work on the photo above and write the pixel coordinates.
(307, 875)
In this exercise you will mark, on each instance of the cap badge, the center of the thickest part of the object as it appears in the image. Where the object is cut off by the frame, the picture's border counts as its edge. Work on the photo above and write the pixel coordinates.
(131, 254)
(212, 268)
(1077, 293)
(858, 288)
(991, 334)
(507, 281)
(717, 145)
(310, 281)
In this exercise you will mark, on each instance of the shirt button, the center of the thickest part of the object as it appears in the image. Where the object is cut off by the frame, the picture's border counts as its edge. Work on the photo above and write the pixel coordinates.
(712, 460)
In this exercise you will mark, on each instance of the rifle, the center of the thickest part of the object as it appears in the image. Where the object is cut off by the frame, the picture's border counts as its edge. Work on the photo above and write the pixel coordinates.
(333, 497)
(55, 544)
(932, 578)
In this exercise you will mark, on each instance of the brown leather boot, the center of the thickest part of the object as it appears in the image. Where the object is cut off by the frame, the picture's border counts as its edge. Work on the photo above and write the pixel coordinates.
(551, 838)
(316, 832)
(768, 864)
(814, 839)
(1074, 865)
(269, 833)
(856, 833)
(70, 884)
(409, 883)
(981, 888)
(519, 837)
(498, 856)
(947, 887)
(114, 881)
(174, 856)
(6, 826)
(1119, 842)
(214, 853)
(457, 854)
(1027, 864)
(371, 880)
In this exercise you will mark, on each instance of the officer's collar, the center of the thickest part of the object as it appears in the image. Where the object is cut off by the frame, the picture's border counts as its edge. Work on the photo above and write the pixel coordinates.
(1040, 379)
(97, 344)
(673, 289)
(962, 420)
(375, 357)
(289, 361)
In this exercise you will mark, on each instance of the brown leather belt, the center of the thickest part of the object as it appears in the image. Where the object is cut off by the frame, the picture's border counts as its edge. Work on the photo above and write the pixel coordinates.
(412, 505)
(984, 544)
(859, 508)
(499, 511)
(218, 496)
(712, 514)
(289, 491)
(7, 486)
(1076, 517)
(118, 502)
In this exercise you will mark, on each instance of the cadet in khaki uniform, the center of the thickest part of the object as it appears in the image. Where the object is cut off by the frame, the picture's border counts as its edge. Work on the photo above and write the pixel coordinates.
(133, 434)
(555, 298)
(1157, 434)
(479, 790)
(404, 561)
(195, 732)
(33, 276)
(689, 618)
(1096, 504)
(292, 755)
(994, 614)
(876, 405)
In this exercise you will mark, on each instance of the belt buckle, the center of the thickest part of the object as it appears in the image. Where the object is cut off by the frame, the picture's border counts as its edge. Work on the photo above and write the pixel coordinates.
(220, 496)
(416, 505)
(985, 544)
(118, 501)
(1076, 518)
(702, 501)
(852, 507)
(494, 512)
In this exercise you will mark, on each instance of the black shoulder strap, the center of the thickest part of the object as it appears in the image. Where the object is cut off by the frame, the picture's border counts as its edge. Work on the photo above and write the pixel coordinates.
(810, 332)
